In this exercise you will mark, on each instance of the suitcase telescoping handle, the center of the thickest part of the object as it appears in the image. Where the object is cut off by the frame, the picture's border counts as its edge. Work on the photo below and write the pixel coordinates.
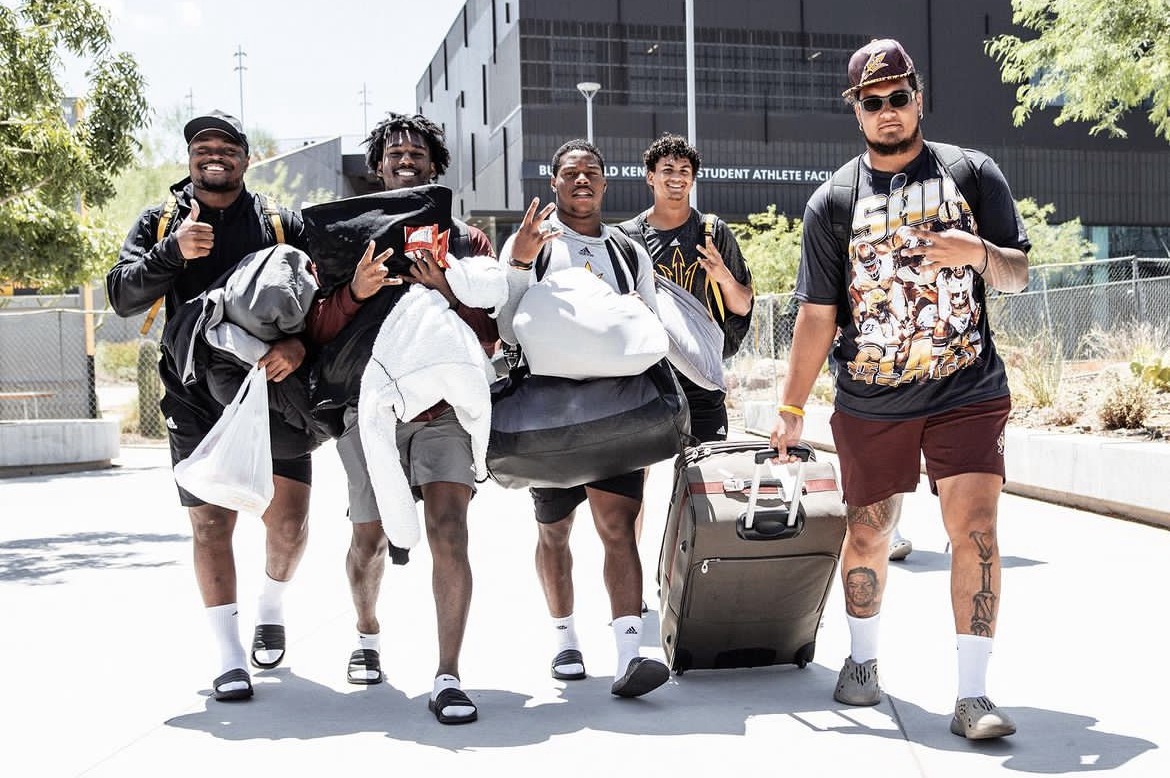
(803, 454)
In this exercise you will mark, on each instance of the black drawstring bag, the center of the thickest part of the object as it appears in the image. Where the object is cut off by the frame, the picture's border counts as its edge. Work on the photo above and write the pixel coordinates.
(557, 432)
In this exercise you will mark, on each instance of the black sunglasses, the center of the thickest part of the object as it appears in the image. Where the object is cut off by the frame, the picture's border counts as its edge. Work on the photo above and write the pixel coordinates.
(875, 103)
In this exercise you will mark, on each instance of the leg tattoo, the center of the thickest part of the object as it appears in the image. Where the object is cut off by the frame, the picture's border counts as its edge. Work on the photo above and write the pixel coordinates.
(880, 516)
(983, 603)
(861, 591)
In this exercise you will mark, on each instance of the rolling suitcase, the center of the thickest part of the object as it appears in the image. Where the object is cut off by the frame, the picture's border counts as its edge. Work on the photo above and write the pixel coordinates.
(743, 573)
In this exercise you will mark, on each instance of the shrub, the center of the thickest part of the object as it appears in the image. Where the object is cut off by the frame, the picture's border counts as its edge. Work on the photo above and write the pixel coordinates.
(1125, 406)
(1034, 371)
(117, 363)
(1154, 373)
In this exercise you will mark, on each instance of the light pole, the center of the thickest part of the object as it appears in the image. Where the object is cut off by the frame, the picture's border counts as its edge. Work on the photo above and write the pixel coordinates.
(240, 68)
(588, 89)
(690, 43)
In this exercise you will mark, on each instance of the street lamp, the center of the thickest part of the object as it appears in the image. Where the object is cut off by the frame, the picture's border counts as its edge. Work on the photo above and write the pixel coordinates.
(588, 89)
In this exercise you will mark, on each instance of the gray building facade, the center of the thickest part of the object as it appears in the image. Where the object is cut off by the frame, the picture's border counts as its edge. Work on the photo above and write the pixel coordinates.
(771, 124)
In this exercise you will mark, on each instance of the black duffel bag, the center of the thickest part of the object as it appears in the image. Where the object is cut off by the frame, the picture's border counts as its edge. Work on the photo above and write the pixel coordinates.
(557, 432)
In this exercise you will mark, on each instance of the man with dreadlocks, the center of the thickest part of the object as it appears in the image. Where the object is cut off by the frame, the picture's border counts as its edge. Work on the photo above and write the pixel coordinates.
(407, 151)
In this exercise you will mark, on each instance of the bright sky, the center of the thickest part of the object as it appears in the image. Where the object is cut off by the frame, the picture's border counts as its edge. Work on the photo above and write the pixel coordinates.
(306, 61)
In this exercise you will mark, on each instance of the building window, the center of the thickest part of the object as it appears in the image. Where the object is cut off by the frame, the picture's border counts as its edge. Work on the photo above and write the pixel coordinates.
(644, 65)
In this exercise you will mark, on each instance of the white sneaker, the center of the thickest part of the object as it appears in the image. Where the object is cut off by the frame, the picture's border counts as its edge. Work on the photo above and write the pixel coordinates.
(900, 547)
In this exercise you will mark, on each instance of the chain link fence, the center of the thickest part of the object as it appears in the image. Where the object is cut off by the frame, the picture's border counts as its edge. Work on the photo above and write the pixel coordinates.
(58, 361)
(1114, 309)
(1111, 309)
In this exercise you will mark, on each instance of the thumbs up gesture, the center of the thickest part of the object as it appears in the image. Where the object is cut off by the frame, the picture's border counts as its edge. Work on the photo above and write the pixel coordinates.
(195, 238)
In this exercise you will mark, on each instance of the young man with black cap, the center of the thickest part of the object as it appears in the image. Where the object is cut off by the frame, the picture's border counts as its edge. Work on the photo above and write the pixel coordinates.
(899, 250)
(406, 151)
(176, 252)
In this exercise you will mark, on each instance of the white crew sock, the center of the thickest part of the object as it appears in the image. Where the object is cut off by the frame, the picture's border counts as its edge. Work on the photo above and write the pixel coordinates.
(270, 608)
(863, 637)
(225, 629)
(974, 655)
(447, 681)
(370, 642)
(566, 639)
(627, 632)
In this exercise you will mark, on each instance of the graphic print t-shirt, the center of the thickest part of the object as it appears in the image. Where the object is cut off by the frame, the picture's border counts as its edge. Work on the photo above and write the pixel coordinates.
(915, 339)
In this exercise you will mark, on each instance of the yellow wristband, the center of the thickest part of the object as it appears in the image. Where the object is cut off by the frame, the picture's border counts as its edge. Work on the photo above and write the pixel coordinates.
(793, 409)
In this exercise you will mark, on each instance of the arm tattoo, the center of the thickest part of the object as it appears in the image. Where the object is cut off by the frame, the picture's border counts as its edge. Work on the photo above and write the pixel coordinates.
(881, 516)
(1005, 272)
(983, 603)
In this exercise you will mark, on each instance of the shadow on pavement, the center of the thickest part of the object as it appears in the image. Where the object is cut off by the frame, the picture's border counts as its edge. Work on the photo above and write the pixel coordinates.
(719, 702)
(922, 561)
(287, 706)
(1047, 741)
(34, 560)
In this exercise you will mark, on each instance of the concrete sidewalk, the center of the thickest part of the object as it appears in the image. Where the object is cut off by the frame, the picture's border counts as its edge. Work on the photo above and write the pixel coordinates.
(106, 654)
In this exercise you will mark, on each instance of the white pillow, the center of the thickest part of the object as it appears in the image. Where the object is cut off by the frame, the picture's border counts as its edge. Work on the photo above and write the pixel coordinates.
(574, 325)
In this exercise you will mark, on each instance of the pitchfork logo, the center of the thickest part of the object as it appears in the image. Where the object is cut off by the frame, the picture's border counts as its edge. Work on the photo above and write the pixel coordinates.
(876, 62)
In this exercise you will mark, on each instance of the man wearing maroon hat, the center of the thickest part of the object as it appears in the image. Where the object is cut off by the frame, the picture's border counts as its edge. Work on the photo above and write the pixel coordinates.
(919, 375)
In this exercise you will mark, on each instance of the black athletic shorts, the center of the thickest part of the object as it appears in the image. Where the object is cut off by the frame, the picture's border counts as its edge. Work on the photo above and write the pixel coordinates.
(553, 505)
(708, 410)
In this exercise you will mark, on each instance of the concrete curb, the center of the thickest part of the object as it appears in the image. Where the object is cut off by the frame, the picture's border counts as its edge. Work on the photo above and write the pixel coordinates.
(1091, 472)
(57, 445)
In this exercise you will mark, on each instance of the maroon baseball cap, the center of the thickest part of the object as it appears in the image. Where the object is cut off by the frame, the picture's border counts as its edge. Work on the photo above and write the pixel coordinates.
(877, 61)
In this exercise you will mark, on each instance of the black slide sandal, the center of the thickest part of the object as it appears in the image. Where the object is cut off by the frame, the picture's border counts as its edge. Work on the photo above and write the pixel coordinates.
(570, 656)
(268, 637)
(364, 660)
(232, 676)
(450, 698)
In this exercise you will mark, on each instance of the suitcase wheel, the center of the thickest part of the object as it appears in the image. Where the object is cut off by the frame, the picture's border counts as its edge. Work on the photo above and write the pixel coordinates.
(805, 654)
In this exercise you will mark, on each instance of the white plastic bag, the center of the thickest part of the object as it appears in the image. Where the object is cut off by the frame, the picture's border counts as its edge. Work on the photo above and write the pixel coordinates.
(232, 466)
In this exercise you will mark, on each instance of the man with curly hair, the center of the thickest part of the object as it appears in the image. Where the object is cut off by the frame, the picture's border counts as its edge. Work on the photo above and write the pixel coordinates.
(703, 258)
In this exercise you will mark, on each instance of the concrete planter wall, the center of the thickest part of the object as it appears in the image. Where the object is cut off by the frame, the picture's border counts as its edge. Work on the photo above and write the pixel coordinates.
(47, 445)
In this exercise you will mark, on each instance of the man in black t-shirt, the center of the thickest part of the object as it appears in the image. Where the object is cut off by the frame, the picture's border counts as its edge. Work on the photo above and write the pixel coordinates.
(931, 228)
(710, 267)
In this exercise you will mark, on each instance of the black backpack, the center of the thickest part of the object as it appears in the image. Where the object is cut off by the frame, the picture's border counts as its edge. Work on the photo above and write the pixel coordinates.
(844, 184)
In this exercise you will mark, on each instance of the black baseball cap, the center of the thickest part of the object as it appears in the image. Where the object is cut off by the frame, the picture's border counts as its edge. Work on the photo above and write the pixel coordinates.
(219, 122)
(877, 61)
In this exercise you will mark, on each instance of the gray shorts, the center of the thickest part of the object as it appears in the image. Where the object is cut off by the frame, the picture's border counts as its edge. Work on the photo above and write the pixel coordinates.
(430, 451)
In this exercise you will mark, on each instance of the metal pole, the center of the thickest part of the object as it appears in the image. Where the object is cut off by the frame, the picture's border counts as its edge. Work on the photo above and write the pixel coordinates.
(240, 68)
(691, 131)
(365, 106)
(588, 89)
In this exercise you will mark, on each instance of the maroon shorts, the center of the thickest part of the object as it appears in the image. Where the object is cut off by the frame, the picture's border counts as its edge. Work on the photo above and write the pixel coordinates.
(882, 458)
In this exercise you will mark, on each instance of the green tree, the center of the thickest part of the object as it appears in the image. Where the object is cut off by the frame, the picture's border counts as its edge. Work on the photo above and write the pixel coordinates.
(1053, 243)
(47, 167)
(770, 243)
(1095, 59)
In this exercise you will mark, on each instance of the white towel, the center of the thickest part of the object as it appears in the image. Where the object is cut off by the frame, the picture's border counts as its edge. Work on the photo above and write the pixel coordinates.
(423, 353)
(479, 282)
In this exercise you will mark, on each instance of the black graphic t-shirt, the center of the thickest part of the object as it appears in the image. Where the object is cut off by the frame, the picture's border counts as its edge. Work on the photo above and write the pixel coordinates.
(676, 257)
(915, 340)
